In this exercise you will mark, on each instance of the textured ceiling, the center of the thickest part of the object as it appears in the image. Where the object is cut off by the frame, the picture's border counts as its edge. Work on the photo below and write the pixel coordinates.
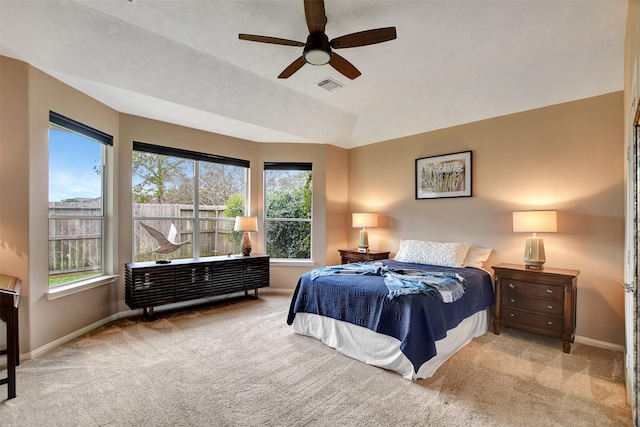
(453, 61)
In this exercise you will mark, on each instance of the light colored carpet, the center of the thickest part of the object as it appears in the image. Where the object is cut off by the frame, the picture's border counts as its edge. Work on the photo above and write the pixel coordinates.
(240, 364)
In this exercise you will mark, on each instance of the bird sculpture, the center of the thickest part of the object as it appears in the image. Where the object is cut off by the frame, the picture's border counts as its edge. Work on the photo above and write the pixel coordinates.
(167, 244)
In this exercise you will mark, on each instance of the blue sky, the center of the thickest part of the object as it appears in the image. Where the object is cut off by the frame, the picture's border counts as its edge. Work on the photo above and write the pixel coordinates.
(72, 158)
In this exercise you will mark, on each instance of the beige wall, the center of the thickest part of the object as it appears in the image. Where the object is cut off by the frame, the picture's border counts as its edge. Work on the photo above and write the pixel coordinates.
(27, 97)
(14, 181)
(338, 218)
(568, 157)
(57, 318)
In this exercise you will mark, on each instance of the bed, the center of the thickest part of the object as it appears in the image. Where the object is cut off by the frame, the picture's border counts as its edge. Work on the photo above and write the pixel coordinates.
(409, 334)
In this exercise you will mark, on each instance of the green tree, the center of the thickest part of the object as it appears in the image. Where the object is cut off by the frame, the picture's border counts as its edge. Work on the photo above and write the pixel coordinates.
(290, 238)
(235, 207)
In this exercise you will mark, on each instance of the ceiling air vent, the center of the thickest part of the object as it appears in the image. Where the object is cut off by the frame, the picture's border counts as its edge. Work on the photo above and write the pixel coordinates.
(330, 85)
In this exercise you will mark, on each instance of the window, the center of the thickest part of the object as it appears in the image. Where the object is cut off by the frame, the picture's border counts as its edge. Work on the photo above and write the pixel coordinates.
(288, 195)
(77, 160)
(177, 191)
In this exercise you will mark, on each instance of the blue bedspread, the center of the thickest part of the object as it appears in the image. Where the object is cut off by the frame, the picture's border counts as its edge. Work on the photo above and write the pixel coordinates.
(417, 321)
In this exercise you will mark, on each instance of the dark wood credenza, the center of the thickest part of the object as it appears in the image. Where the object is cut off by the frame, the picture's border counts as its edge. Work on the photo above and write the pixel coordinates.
(148, 284)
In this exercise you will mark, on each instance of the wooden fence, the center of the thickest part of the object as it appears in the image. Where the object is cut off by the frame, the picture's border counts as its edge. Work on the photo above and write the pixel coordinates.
(75, 244)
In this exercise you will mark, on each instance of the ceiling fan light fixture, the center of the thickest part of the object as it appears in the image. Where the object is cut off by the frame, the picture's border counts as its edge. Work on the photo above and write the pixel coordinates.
(317, 57)
(317, 50)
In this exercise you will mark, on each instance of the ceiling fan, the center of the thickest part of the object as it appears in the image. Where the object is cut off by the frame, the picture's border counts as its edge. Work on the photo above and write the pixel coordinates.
(318, 49)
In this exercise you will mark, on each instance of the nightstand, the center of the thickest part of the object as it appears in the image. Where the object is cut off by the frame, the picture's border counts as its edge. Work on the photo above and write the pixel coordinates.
(352, 255)
(539, 301)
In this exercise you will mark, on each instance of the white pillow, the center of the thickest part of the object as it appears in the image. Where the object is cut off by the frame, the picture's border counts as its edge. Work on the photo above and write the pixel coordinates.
(434, 253)
(476, 257)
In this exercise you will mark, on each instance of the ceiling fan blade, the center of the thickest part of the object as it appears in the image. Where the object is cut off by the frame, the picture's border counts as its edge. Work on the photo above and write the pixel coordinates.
(364, 38)
(343, 66)
(295, 66)
(272, 40)
(316, 17)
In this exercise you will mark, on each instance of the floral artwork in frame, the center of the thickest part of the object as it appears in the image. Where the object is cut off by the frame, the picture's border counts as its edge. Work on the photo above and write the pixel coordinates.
(448, 175)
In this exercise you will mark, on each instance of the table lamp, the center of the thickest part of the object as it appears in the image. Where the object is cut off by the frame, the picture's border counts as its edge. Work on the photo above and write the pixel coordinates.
(534, 222)
(364, 219)
(247, 224)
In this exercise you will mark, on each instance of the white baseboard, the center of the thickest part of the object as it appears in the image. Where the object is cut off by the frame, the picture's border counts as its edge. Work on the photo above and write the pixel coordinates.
(53, 344)
(62, 340)
(600, 344)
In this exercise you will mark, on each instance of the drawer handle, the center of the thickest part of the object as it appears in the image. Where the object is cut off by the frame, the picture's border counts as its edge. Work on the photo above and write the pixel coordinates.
(512, 300)
(550, 307)
(512, 315)
(549, 291)
(512, 286)
(550, 322)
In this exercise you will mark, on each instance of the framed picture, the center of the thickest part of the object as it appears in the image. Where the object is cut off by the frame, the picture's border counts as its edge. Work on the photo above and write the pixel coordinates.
(448, 175)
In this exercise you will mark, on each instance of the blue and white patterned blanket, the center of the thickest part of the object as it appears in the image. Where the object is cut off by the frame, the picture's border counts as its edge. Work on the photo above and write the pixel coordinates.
(446, 285)
(417, 320)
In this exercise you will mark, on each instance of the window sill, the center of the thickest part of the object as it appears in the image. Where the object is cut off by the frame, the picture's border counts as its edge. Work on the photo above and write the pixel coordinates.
(283, 262)
(74, 288)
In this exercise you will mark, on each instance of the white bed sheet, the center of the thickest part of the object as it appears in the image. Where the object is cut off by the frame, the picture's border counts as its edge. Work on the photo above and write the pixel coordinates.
(382, 350)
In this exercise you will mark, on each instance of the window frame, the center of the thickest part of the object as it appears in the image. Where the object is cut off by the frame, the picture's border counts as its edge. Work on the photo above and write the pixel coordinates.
(290, 166)
(196, 157)
(58, 120)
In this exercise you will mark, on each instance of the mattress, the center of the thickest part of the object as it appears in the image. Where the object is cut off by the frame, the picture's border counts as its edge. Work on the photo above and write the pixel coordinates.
(384, 351)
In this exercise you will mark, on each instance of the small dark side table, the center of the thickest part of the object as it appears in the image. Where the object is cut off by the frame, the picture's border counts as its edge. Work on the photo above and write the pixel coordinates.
(9, 295)
(352, 255)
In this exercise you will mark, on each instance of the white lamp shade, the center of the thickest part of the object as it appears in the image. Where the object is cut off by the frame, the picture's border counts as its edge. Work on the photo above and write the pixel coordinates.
(535, 222)
(364, 219)
(246, 223)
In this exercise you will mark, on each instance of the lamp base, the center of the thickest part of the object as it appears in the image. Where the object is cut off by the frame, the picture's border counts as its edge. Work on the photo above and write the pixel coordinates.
(363, 245)
(534, 256)
(246, 244)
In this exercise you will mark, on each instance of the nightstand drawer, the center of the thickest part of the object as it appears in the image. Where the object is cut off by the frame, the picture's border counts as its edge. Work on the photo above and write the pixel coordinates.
(514, 317)
(539, 305)
(352, 255)
(350, 259)
(540, 290)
